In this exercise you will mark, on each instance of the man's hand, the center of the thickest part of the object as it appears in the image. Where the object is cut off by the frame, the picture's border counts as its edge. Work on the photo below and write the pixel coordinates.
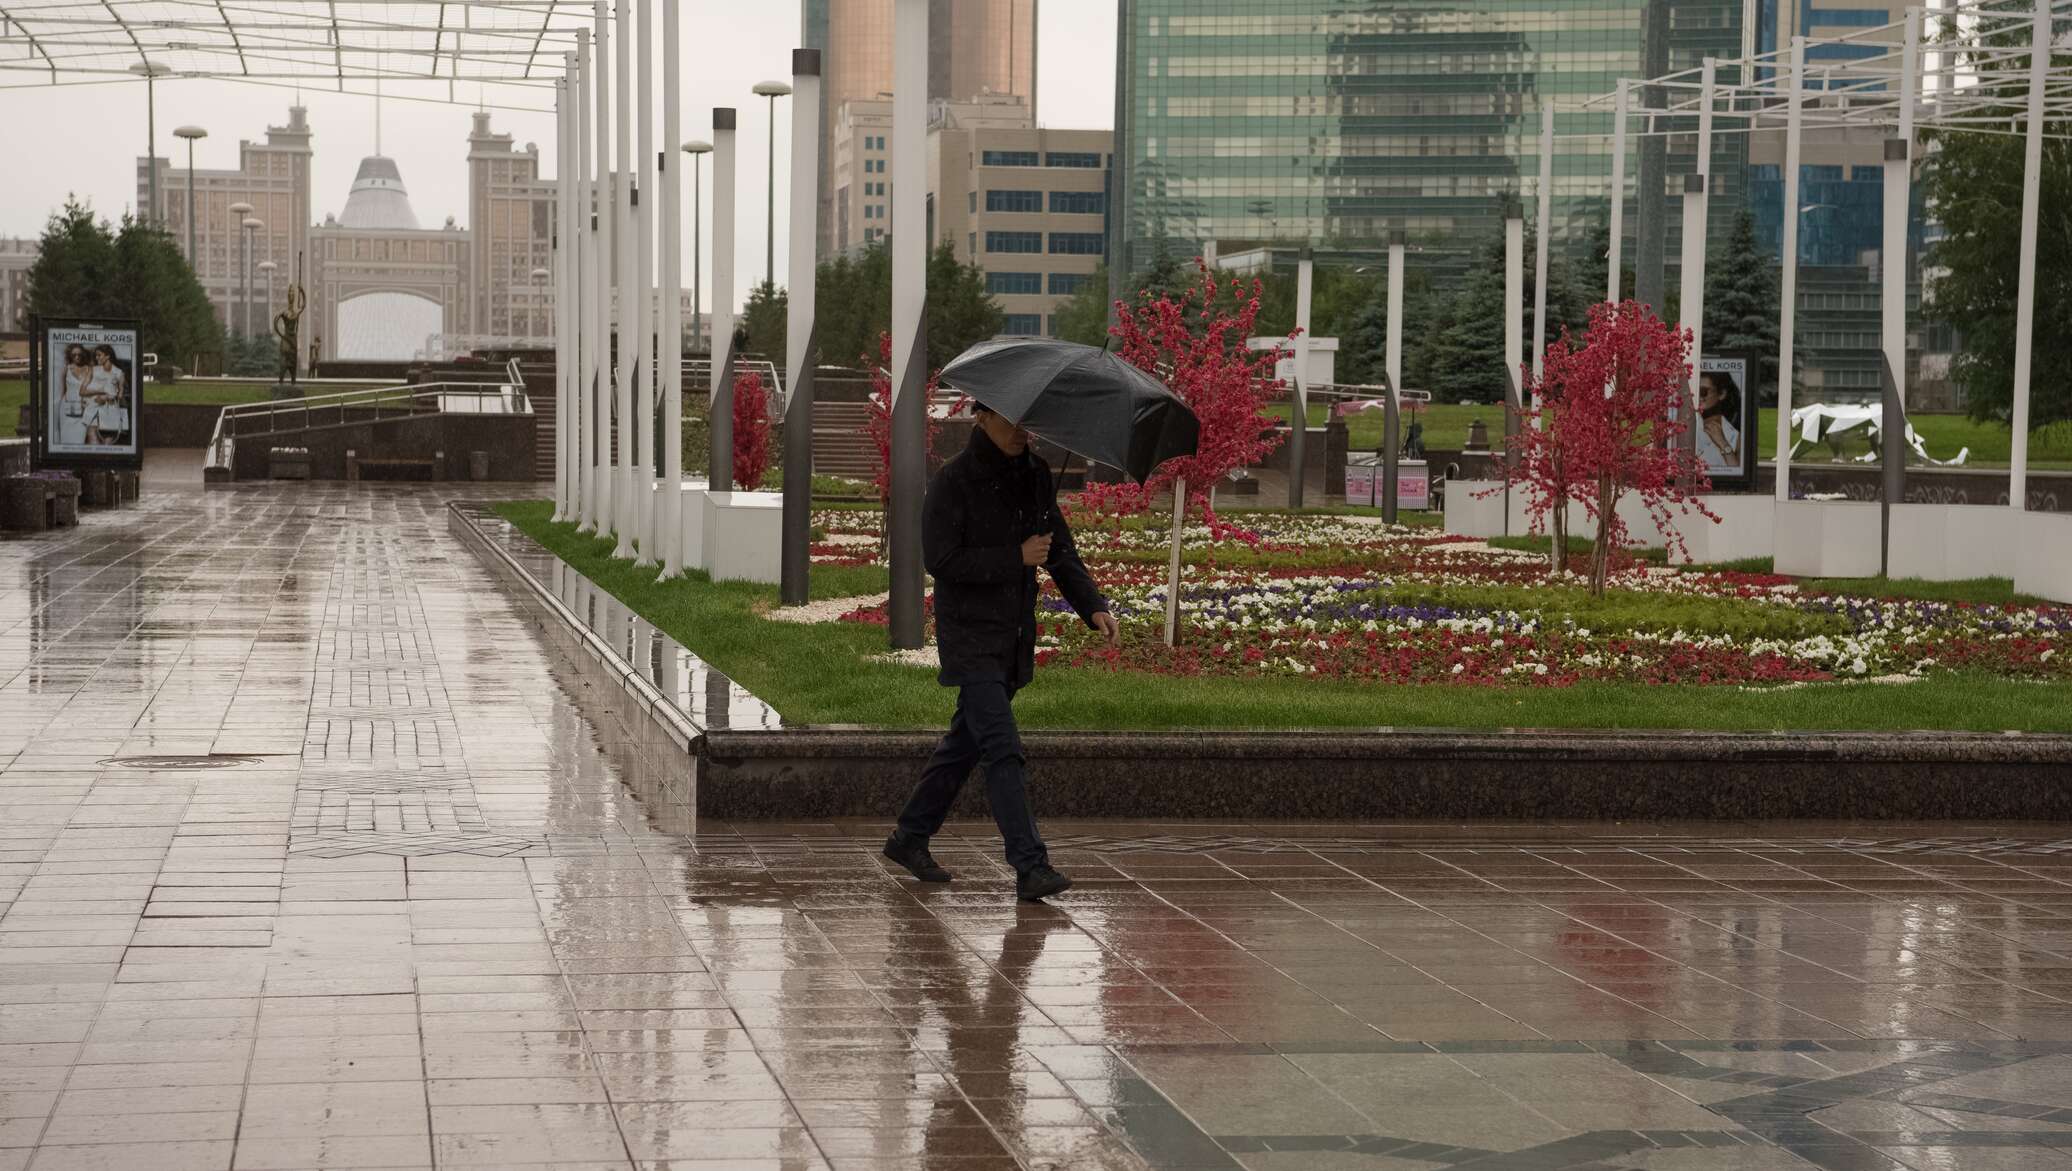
(1111, 632)
(1036, 550)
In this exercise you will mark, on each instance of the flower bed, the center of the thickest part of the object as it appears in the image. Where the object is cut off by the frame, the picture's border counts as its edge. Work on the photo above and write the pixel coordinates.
(1350, 598)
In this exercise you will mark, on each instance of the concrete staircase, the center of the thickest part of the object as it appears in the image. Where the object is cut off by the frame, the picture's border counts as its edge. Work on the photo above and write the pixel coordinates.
(841, 441)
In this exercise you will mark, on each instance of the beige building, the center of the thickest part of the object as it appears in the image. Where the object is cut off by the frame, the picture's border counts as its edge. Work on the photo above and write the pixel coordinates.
(1028, 205)
(975, 47)
(16, 258)
(511, 223)
(272, 176)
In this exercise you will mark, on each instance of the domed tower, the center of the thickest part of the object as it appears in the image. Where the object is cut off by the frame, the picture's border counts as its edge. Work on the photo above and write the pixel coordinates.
(378, 198)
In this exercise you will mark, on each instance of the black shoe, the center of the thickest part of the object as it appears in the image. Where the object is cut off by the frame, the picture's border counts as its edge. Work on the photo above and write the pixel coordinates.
(913, 854)
(1039, 882)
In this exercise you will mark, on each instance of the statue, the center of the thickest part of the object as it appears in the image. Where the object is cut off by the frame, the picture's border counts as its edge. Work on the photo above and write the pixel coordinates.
(316, 353)
(286, 324)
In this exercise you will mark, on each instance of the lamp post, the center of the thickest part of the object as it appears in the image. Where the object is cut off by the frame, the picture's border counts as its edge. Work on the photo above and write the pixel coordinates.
(771, 90)
(539, 281)
(151, 71)
(250, 226)
(238, 213)
(697, 148)
(191, 133)
(265, 313)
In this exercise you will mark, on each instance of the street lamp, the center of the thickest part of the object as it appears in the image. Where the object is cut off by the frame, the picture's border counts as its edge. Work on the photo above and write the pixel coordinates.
(238, 212)
(697, 148)
(191, 133)
(267, 267)
(539, 279)
(250, 226)
(150, 71)
(771, 90)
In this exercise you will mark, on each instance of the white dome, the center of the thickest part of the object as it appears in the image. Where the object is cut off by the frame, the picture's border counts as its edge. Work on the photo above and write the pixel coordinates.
(378, 198)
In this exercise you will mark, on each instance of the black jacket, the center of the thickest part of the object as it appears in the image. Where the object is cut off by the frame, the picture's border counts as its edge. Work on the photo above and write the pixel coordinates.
(981, 506)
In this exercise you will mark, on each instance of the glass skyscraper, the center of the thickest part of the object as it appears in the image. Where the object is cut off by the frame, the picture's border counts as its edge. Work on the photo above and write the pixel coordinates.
(1336, 122)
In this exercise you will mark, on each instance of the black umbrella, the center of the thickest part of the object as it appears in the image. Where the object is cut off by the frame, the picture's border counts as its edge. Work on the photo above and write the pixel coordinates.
(1086, 400)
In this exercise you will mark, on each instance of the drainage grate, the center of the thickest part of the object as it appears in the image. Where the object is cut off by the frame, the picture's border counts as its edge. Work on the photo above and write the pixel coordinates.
(207, 760)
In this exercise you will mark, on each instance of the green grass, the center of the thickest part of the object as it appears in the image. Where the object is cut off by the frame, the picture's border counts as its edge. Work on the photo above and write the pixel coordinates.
(820, 674)
(1446, 427)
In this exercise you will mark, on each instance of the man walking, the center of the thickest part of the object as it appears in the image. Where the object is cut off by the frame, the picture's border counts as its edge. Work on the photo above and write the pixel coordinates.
(989, 521)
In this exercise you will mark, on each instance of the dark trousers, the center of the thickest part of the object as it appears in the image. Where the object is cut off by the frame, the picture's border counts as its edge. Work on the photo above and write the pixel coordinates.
(982, 733)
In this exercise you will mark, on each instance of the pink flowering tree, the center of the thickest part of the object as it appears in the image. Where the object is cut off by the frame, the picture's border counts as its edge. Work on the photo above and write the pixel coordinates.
(751, 430)
(1195, 344)
(1609, 411)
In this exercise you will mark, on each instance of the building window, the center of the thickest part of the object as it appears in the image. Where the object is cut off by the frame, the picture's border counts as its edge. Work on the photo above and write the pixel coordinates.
(1022, 325)
(972, 202)
(1007, 158)
(1066, 284)
(1078, 202)
(1014, 201)
(1022, 283)
(1077, 243)
(971, 242)
(1073, 158)
(1014, 241)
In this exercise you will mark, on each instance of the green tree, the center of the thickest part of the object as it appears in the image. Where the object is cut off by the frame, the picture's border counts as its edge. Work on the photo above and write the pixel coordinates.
(852, 305)
(1363, 348)
(1974, 190)
(87, 269)
(1083, 317)
(765, 318)
(1741, 298)
(1167, 275)
(1465, 356)
(960, 311)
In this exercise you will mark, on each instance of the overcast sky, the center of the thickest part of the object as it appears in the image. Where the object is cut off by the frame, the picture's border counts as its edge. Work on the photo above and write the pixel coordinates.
(86, 139)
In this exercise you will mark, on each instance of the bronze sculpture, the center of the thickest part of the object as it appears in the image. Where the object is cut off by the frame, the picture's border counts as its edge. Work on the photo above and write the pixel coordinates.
(286, 324)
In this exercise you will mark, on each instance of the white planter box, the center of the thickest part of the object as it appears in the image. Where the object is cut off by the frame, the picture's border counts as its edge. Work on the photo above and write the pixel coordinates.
(1827, 538)
(1471, 513)
(692, 524)
(1954, 542)
(2043, 566)
(744, 536)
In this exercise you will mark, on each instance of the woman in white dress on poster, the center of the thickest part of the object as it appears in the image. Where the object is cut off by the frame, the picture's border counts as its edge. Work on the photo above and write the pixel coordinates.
(108, 392)
(70, 416)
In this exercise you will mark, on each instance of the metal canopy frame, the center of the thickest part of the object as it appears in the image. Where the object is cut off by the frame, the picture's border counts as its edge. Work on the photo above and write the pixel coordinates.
(329, 43)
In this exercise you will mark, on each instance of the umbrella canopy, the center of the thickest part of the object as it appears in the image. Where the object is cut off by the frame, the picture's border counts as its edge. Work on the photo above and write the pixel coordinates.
(1086, 400)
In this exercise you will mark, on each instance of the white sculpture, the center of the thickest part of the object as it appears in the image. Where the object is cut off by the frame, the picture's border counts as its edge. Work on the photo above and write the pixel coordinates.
(1822, 421)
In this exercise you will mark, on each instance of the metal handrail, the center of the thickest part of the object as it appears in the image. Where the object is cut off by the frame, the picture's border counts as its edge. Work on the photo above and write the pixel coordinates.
(223, 441)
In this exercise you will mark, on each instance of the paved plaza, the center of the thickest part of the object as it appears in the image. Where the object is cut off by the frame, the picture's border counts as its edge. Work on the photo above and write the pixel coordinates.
(309, 859)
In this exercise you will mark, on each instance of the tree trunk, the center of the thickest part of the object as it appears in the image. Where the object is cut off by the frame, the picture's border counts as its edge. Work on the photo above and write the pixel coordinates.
(1557, 552)
(1601, 551)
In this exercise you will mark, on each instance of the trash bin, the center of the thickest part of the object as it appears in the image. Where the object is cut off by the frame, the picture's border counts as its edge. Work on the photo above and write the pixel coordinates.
(478, 466)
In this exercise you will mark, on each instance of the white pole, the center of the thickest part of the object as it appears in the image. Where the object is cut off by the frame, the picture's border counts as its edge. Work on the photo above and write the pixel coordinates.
(645, 513)
(561, 298)
(2025, 275)
(671, 162)
(1692, 301)
(1392, 352)
(909, 297)
(1618, 224)
(1172, 612)
(626, 345)
(1545, 239)
(1892, 292)
(1788, 300)
(795, 564)
(583, 423)
(1392, 362)
(601, 306)
(1298, 420)
(1514, 326)
(720, 459)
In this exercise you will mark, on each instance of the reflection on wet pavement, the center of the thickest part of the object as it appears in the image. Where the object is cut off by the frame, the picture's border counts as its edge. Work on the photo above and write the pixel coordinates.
(308, 860)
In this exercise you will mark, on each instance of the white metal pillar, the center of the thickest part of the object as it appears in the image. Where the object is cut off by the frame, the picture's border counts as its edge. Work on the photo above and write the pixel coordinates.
(1892, 283)
(584, 220)
(1618, 221)
(1298, 417)
(1544, 241)
(601, 306)
(1392, 365)
(642, 463)
(1788, 298)
(720, 459)
(562, 342)
(1514, 330)
(1692, 300)
(800, 341)
(909, 330)
(2025, 276)
(626, 347)
(670, 162)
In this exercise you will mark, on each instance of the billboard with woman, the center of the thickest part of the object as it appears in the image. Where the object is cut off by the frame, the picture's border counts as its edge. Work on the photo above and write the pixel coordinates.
(1726, 421)
(87, 393)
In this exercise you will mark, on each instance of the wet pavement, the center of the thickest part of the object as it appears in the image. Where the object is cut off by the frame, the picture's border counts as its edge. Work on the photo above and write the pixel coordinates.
(308, 860)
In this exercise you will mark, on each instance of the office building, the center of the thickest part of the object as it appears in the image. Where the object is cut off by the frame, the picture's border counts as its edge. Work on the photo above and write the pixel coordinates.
(17, 257)
(1334, 123)
(1029, 205)
(274, 177)
(976, 47)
